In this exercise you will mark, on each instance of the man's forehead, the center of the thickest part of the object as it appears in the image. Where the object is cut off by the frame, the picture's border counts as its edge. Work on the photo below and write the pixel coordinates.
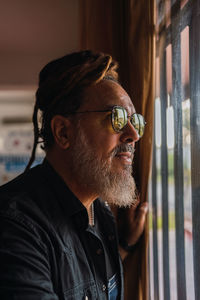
(128, 107)
(107, 94)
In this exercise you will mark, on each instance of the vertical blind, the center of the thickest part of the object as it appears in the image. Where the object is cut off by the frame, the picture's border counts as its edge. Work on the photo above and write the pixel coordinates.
(175, 185)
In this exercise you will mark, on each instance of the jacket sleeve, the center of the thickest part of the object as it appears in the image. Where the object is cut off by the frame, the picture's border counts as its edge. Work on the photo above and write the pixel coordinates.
(24, 265)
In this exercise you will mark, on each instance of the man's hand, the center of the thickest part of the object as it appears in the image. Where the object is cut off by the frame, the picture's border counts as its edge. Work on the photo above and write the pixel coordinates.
(135, 222)
(131, 224)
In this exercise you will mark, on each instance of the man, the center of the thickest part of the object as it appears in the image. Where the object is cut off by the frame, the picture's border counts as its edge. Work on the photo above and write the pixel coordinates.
(58, 238)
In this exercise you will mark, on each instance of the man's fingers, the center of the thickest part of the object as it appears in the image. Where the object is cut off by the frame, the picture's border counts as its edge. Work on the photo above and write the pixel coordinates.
(144, 207)
(132, 210)
(142, 212)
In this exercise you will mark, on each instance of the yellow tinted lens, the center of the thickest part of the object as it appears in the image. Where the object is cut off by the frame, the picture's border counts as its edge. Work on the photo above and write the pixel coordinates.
(119, 118)
(138, 122)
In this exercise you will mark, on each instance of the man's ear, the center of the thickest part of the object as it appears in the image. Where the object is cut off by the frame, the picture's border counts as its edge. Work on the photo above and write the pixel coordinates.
(60, 127)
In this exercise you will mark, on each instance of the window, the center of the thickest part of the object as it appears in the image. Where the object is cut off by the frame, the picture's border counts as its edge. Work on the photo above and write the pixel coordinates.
(175, 185)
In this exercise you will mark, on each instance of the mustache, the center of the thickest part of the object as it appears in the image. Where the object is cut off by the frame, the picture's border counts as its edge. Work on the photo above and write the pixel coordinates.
(123, 148)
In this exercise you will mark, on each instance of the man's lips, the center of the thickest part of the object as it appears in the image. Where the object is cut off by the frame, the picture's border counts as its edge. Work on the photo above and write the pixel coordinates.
(125, 156)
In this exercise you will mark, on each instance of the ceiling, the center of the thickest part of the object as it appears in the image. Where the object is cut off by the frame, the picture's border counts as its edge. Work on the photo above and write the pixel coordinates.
(32, 32)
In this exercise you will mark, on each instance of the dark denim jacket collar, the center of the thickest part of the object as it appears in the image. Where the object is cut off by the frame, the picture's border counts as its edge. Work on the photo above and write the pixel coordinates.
(71, 205)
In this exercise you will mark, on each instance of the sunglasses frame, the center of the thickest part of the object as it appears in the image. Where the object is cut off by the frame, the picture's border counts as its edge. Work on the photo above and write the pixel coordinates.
(112, 117)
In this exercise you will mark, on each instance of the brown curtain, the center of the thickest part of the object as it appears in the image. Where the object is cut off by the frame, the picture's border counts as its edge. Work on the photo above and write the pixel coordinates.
(125, 29)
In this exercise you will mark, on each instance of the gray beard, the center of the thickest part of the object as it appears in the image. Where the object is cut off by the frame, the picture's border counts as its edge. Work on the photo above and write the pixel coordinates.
(96, 174)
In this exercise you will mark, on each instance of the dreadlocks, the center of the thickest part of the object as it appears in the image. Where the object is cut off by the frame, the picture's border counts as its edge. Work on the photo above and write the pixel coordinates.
(61, 87)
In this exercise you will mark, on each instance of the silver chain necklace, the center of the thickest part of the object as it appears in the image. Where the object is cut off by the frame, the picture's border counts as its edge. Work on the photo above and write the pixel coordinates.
(91, 215)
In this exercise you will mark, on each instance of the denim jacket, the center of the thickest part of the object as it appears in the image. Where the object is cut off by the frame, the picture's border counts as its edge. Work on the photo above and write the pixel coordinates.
(43, 241)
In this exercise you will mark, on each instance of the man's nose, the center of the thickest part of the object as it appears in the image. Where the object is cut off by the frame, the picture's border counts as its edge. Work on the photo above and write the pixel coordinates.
(129, 134)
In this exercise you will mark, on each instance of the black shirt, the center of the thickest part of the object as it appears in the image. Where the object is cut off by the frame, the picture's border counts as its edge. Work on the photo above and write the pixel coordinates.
(110, 264)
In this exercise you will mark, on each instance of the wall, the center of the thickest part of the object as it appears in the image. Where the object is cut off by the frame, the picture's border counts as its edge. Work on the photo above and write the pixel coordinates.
(32, 32)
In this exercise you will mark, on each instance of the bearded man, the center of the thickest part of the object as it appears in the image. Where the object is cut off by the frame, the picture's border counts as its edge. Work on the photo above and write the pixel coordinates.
(58, 238)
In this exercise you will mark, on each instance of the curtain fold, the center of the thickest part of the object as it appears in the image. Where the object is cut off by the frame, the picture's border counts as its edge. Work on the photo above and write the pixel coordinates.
(125, 29)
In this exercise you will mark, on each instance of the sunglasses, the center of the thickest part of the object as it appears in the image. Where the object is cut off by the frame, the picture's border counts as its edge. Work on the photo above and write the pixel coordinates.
(119, 119)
